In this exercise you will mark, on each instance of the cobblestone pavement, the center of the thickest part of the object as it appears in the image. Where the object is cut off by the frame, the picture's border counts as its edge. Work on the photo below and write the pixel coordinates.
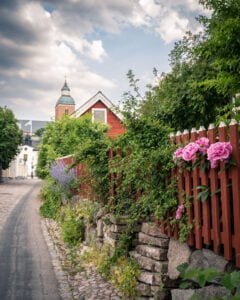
(11, 192)
(86, 284)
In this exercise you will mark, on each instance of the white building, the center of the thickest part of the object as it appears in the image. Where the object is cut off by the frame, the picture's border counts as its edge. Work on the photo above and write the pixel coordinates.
(24, 164)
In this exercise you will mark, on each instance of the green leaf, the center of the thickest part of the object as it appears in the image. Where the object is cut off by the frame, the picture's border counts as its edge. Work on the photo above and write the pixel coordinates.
(185, 284)
(182, 268)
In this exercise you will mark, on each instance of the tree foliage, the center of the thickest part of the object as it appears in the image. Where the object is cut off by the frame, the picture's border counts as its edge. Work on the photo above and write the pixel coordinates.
(10, 137)
(64, 137)
(205, 71)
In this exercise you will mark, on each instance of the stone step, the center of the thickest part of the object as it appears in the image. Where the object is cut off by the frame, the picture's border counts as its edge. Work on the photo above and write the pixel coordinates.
(150, 278)
(152, 229)
(156, 253)
(150, 264)
(151, 240)
(144, 289)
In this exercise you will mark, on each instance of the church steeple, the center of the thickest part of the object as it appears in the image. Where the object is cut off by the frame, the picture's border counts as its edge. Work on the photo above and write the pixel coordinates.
(65, 89)
(65, 104)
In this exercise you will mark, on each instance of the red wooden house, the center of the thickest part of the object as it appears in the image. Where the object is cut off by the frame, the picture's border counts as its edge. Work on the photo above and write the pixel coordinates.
(99, 106)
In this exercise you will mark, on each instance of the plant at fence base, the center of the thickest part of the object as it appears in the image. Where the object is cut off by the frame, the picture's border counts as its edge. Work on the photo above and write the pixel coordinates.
(122, 271)
(62, 175)
(181, 219)
(179, 212)
(51, 196)
(72, 226)
(202, 277)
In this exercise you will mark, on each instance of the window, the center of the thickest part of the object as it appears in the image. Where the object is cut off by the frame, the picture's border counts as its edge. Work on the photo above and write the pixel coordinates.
(66, 111)
(99, 115)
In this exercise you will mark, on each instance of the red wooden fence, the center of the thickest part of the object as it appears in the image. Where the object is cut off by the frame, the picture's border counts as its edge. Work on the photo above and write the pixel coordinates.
(216, 221)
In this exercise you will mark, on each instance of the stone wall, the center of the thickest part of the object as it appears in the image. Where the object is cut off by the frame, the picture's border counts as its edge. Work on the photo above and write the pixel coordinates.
(158, 258)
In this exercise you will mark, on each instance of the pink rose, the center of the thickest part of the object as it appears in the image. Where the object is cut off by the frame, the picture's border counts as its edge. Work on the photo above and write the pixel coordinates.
(189, 151)
(178, 153)
(204, 144)
(218, 151)
(179, 212)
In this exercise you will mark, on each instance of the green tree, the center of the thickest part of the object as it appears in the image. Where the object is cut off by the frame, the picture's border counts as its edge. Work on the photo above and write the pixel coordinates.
(39, 132)
(205, 71)
(64, 137)
(10, 138)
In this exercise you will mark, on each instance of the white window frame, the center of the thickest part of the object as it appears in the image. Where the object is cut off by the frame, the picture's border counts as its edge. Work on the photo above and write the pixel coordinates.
(100, 109)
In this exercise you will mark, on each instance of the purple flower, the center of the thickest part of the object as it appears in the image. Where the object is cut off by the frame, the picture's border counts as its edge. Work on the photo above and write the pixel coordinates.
(62, 175)
(190, 151)
(204, 144)
(219, 151)
(179, 212)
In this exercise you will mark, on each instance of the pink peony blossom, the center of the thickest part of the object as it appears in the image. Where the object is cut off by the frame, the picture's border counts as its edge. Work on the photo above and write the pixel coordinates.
(204, 144)
(178, 153)
(218, 151)
(179, 212)
(189, 151)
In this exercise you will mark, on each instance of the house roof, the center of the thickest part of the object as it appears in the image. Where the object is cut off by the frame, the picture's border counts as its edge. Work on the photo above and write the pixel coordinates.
(23, 124)
(97, 97)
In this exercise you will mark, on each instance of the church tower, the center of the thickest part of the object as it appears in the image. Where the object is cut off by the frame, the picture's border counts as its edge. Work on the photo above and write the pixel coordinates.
(65, 104)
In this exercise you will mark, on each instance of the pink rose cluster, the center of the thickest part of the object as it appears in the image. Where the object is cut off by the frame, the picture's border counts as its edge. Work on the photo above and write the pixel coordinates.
(219, 151)
(179, 212)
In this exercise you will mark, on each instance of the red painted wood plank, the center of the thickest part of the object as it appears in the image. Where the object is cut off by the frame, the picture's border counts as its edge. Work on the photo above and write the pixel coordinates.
(225, 200)
(196, 202)
(235, 175)
(215, 205)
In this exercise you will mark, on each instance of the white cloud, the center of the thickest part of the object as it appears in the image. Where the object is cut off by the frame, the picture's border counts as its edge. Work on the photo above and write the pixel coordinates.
(38, 47)
(173, 27)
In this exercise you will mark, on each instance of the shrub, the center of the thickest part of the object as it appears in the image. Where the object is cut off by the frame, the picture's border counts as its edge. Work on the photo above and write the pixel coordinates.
(124, 276)
(51, 195)
(86, 209)
(72, 227)
(121, 270)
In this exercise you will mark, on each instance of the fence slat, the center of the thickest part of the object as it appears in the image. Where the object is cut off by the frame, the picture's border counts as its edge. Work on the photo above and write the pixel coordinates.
(188, 190)
(225, 200)
(196, 201)
(206, 211)
(235, 174)
(215, 207)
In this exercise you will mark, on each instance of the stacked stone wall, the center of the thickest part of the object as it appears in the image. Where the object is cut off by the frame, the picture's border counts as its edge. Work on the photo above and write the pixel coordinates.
(158, 258)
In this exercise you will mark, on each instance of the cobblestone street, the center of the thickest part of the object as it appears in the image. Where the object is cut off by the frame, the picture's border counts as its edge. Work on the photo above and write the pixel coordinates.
(86, 284)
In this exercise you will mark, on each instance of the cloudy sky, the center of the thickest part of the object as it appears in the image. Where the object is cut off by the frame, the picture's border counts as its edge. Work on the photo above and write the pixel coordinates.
(92, 42)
